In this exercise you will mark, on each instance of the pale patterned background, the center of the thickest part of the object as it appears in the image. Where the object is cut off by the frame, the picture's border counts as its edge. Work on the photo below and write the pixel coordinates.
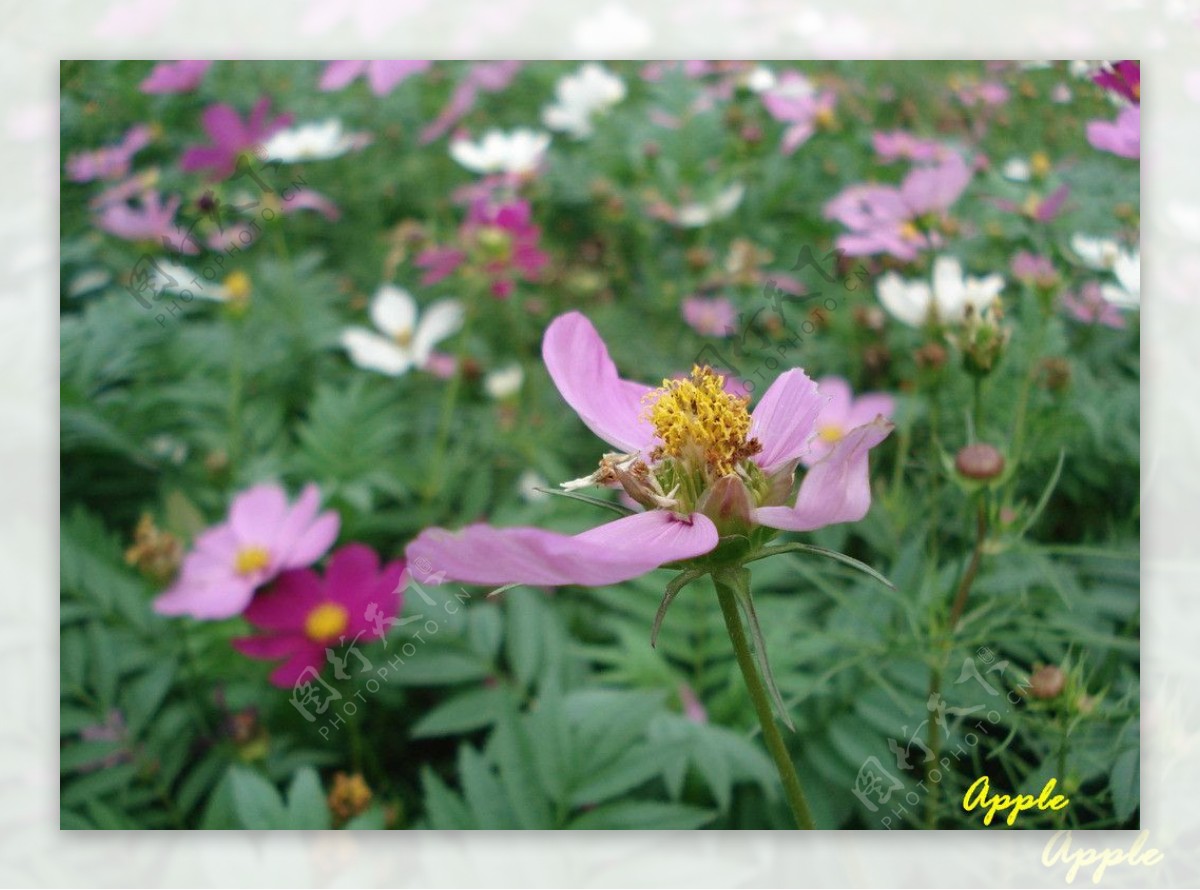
(1165, 35)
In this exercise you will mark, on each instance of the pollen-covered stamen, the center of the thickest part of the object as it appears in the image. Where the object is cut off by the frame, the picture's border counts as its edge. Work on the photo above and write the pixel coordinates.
(696, 419)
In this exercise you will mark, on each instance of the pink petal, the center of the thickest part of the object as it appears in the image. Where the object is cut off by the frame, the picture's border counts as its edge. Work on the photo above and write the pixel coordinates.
(840, 396)
(785, 418)
(288, 674)
(607, 554)
(338, 75)
(286, 604)
(836, 489)
(257, 513)
(315, 541)
(581, 368)
(868, 406)
(268, 647)
(206, 596)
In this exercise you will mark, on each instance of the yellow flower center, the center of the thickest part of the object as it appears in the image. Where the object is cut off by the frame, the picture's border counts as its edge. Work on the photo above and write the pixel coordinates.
(326, 622)
(697, 420)
(237, 286)
(250, 560)
(909, 232)
(404, 337)
(829, 432)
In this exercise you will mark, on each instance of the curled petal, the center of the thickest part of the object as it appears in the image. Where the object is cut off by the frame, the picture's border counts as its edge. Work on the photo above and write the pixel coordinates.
(607, 554)
(784, 419)
(581, 368)
(836, 489)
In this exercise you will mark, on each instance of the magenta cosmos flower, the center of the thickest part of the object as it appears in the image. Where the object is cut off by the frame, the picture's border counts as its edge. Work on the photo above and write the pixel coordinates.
(231, 137)
(699, 462)
(842, 413)
(382, 76)
(301, 614)
(262, 537)
(498, 241)
(795, 101)
(175, 77)
(899, 220)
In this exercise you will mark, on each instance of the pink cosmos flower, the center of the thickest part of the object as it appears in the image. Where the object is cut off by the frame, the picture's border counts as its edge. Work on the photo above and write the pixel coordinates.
(1122, 137)
(884, 218)
(383, 76)
(231, 137)
(482, 77)
(1090, 307)
(111, 162)
(175, 77)
(498, 239)
(795, 101)
(303, 616)
(990, 92)
(1037, 208)
(694, 456)
(710, 316)
(1034, 269)
(262, 537)
(843, 413)
(901, 145)
(153, 220)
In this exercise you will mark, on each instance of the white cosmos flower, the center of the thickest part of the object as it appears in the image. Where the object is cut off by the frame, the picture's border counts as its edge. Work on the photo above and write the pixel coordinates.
(1095, 253)
(760, 79)
(913, 302)
(1016, 169)
(313, 142)
(592, 90)
(700, 213)
(405, 342)
(1127, 292)
(498, 152)
(504, 382)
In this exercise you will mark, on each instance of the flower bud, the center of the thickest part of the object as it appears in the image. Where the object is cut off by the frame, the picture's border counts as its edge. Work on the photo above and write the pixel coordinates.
(930, 357)
(1047, 682)
(1055, 373)
(728, 504)
(980, 461)
(349, 796)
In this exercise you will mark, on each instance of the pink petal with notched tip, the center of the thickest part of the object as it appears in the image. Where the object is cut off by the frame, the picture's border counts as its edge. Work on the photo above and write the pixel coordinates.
(579, 364)
(836, 489)
(607, 554)
(257, 514)
(785, 418)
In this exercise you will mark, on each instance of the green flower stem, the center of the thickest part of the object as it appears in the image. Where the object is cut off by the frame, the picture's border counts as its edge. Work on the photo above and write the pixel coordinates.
(727, 596)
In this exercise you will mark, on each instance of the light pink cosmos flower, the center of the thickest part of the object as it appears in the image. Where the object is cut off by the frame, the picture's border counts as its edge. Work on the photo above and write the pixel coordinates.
(302, 615)
(710, 316)
(884, 218)
(231, 138)
(175, 77)
(1090, 307)
(382, 76)
(899, 145)
(693, 477)
(262, 537)
(843, 413)
(110, 162)
(1122, 137)
(483, 77)
(795, 101)
(152, 220)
